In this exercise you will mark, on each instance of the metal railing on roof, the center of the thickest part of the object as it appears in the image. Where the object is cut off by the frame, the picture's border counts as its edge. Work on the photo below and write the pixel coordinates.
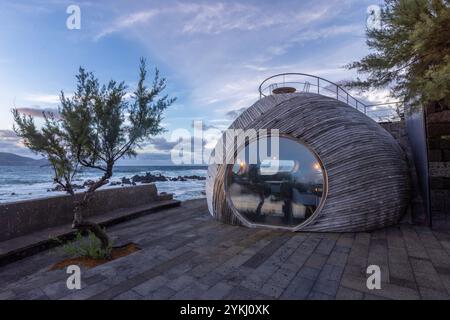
(302, 82)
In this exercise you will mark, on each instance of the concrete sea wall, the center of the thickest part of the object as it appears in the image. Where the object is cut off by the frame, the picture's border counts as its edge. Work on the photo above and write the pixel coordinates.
(23, 217)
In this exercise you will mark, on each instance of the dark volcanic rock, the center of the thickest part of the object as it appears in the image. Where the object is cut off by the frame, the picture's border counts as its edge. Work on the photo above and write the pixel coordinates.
(186, 178)
(195, 177)
(88, 183)
(179, 178)
(148, 178)
(60, 188)
(126, 180)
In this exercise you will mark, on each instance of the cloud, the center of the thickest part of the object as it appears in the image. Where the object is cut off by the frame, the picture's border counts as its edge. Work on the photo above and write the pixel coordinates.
(309, 35)
(221, 51)
(233, 114)
(8, 135)
(10, 142)
(127, 21)
(216, 18)
(376, 96)
(162, 144)
(222, 17)
(39, 112)
(43, 98)
(205, 126)
(147, 158)
(199, 18)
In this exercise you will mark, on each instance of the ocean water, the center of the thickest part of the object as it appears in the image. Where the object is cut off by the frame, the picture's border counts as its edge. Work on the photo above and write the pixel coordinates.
(21, 182)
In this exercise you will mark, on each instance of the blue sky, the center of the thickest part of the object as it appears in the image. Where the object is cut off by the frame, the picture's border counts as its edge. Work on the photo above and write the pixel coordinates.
(214, 54)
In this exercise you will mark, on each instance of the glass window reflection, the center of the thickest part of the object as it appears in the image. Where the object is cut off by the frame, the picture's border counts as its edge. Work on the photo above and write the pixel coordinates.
(283, 191)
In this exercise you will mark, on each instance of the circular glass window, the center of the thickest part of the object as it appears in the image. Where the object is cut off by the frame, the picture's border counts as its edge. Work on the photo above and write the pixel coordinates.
(276, 181)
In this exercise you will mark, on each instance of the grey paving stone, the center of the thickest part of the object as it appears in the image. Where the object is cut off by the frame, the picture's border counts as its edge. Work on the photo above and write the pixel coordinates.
(316, 260)
(349, 294)
(94, 279)
(161, 293)
(387, 290)
(325, 246)
(128, 295)
(439, 258)
(429, 280)
(398, 293)
(422, 266)
(86, 293)
(180, 283)
(403, 282)
(427, 238)
(309, 273)
(186, 254)
(341, 249)
(431, 294)
(368, 296)
(7, 295)
(237, 275)
(193, 291)
(355, 282)
(149, 286)
(266, 252)
(58, 289)
(331, 272)
(272, 290)
(34, 294)
(345, 242)
(297, 259)
(217, 292)
(338, 258)
(328, 287)
(299, 289)
(254, 281)
(443, 270)
(282, 277)
(242, 293)
(314, 295)
(211, 278)
(398, 259)
(362, 238)
(445, 281)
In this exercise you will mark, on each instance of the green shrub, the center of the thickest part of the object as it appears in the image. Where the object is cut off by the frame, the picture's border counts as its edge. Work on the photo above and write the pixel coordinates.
(86, 246)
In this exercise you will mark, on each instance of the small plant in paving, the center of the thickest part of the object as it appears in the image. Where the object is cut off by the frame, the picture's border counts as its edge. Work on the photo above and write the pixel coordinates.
(88, 246)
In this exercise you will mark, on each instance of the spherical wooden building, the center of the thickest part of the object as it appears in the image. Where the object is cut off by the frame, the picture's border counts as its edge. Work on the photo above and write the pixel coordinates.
(336, 169)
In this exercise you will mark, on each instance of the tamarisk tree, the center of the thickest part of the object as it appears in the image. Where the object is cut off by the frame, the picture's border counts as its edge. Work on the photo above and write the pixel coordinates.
(410, 52)
(95, 128)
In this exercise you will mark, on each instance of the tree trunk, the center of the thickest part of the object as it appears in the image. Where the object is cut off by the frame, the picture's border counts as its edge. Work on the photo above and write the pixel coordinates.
(261, 202)
(83, 225)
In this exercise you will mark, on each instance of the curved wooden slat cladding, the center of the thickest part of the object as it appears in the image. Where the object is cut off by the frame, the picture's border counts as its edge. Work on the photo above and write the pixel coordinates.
(366, 169)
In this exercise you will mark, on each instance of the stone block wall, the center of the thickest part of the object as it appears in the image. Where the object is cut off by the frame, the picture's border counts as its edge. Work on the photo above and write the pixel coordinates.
(438, 139)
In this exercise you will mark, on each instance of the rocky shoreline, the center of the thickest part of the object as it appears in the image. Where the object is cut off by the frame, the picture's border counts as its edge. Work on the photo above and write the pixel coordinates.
(143, 179)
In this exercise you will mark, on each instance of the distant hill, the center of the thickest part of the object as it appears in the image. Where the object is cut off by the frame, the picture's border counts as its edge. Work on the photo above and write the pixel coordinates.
(11, 159)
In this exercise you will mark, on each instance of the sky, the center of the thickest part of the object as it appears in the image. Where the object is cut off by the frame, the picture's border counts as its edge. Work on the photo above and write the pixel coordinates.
(214, 54)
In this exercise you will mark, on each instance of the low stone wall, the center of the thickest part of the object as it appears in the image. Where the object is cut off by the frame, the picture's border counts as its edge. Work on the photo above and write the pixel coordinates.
(23, 217)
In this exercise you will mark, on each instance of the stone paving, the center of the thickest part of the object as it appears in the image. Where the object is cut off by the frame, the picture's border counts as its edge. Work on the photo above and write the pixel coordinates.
(188, 255)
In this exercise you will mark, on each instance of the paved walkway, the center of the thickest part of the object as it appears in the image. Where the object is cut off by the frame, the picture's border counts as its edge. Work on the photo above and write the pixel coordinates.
(187, 255)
